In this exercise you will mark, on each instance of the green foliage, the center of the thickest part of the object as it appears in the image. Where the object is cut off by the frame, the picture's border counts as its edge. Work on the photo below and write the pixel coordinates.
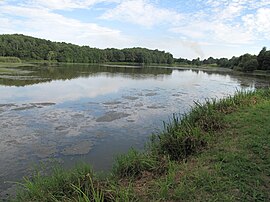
(246, 62)
(266, 61)
(134, 163)
(54, 187)
(223, 62)
(30, 48)
(77, 184)
(187, 135)
(260, 57)
(184, 136)
(250, 65)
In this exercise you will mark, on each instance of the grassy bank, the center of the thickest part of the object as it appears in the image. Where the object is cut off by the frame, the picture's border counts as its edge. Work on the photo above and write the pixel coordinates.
(220, 151)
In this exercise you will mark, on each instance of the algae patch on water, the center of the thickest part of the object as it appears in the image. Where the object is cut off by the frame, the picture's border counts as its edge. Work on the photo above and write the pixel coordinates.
(111, 116)
(78, 148)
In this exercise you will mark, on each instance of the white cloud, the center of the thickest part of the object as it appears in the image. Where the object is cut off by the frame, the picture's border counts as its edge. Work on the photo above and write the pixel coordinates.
(259, 22)
(67, 4)
(142, 12)
(227, 22)
(216, 32)
(231, 11)
(232, 34)
(70, 91)
(43, 23)
(197, 29)
(223, 24)
(247, 4)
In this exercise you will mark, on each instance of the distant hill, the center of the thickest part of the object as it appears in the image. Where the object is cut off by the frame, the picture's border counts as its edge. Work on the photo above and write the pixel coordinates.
(30, 48)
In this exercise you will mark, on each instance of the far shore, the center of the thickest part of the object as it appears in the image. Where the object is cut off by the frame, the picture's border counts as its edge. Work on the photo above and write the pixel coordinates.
(206, 68)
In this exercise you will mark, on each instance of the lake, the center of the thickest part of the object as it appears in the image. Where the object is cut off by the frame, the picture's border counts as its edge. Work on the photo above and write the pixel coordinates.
(70, 113)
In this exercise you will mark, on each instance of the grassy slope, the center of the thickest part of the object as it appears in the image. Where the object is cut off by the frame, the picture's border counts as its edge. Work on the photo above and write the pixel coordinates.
(234, 167)
(218, 152)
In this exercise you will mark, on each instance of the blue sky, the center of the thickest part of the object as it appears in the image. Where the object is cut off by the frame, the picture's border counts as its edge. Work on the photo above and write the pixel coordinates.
(186, 28)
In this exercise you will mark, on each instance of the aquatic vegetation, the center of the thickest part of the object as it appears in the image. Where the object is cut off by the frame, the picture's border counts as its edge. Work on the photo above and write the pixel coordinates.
(194, 158)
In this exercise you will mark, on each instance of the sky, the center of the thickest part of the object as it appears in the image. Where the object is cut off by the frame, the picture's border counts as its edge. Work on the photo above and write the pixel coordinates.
(185, 28)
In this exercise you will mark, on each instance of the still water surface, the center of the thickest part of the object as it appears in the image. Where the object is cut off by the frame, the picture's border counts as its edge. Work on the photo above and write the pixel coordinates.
(72, 113)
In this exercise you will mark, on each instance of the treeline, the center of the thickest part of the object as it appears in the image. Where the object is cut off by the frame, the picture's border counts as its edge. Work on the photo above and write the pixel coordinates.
(246, 62)
(30, 48)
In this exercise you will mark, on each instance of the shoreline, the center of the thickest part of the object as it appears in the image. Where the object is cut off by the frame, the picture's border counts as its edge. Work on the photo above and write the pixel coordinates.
(195, 157)
(137, 65)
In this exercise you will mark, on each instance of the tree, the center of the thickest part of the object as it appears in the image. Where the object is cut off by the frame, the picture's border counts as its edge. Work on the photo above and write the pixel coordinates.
(26, 47)
(209, 61)
(196, 62)
(223, 62)
(260, 57)
(51, 55)
(266, 61)
(245, 58)
(234, 62)
(250, 65)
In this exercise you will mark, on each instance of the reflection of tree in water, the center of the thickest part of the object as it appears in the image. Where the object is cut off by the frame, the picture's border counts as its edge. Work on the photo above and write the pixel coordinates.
(17, 82)
(244, 79)
(256, 81)
(49, 72)
(46, 73)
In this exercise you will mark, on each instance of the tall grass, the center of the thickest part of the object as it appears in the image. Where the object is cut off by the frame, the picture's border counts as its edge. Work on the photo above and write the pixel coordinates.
(79, 184)
(135, 163)
(186, 135)
(54, 187)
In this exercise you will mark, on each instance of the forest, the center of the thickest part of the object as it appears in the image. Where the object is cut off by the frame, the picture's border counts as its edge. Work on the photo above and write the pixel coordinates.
(246, 62)
(34, 49)
(30, 48)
